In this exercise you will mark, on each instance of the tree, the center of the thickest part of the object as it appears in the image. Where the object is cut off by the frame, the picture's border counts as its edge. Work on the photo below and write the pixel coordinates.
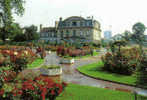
(15, 31)
(138, 30)
(138, 34)
(31, 33)
(7, 8)
(117, 43)
(127, 35)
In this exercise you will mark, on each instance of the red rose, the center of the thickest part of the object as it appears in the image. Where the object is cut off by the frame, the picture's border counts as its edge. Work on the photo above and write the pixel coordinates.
(52, 92)
(2, 92)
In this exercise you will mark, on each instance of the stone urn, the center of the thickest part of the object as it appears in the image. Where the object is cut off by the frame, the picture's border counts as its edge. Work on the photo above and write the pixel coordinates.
(51, 70)
(67, 60)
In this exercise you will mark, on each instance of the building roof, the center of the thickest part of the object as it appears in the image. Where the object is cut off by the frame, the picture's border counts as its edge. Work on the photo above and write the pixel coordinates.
(47, 29)
(74, 18)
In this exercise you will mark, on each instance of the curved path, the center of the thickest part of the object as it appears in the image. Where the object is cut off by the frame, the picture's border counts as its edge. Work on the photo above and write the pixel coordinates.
(71, 75)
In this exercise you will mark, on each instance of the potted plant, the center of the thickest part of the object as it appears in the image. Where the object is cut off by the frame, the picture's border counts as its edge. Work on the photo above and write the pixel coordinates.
(51, 70)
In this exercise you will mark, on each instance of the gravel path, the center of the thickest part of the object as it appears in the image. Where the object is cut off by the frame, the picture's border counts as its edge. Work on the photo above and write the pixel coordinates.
(71, 75)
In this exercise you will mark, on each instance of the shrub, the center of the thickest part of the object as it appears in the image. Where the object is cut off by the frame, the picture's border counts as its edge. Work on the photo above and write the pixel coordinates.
(39, 88)
(124, 62)
(41, 52)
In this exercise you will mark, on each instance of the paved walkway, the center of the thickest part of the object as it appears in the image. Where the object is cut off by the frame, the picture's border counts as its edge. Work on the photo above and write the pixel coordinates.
(71, 75)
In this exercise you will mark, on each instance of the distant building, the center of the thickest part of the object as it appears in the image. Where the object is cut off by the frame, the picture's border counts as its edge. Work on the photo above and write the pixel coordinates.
(72, 29)
(107, 34)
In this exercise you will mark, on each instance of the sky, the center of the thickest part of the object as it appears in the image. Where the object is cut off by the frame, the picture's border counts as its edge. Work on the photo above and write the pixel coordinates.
(117, 15)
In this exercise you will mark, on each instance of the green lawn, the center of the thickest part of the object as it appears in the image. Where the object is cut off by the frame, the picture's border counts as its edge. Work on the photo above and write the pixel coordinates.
(78, 92)
(95, 71)
(36, 63)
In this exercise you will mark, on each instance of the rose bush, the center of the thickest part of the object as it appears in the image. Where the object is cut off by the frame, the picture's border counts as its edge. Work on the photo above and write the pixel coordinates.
(123, 62)
(39, 88)
(72, 52)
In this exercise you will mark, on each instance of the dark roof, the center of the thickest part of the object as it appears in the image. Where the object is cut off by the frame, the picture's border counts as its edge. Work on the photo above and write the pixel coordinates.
(47, 29)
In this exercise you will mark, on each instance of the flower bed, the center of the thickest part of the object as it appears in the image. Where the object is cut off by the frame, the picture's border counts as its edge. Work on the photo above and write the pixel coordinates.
(72, 52)
(39, 88)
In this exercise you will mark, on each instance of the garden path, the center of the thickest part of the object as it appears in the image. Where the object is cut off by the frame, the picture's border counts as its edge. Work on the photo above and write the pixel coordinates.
(71, 75)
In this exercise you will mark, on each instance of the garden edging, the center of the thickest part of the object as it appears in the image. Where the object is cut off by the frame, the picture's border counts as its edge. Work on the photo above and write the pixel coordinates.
(109, 80)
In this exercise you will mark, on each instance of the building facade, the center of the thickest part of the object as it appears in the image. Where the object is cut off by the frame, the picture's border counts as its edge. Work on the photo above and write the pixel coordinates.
(107, 34)
(72, 29)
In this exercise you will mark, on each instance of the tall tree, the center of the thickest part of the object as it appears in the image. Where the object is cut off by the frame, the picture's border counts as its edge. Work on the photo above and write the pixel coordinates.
(127, 35)
(138, 34)
(7, 8)
(138, 30)
(31, 33)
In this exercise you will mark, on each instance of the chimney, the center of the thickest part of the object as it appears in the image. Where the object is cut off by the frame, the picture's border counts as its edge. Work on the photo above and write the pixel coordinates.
(40, 27)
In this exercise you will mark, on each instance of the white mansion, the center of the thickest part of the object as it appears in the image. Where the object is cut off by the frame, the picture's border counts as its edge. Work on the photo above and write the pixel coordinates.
(72, 29)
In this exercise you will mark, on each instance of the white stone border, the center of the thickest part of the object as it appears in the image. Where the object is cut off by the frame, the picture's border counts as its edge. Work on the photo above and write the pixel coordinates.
(51, 72)
(67, 61)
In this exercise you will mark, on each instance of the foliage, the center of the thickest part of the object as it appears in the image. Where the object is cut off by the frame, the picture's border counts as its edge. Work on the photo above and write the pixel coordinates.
(8, 7)
(142, 73)
(19, 64)
(72, 52)
(38, 88)
(41, 52)
(123, 62)
(17, 59)
(127, 35)
(138, 34)
(115, 44)
(31, 33)
(139, 30)
(14, 31)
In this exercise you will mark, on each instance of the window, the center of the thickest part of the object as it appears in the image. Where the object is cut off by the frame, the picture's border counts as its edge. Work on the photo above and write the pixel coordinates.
(67, 33)
(68, 24)
(81, 23)
(74, 32)
(55, 34)
(74, 23)
(90, 23)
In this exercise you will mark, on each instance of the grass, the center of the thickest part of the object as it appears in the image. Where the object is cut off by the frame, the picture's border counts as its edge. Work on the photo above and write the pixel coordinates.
(94, 70)
(50, 67)
(36, 63)
(79, 92)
